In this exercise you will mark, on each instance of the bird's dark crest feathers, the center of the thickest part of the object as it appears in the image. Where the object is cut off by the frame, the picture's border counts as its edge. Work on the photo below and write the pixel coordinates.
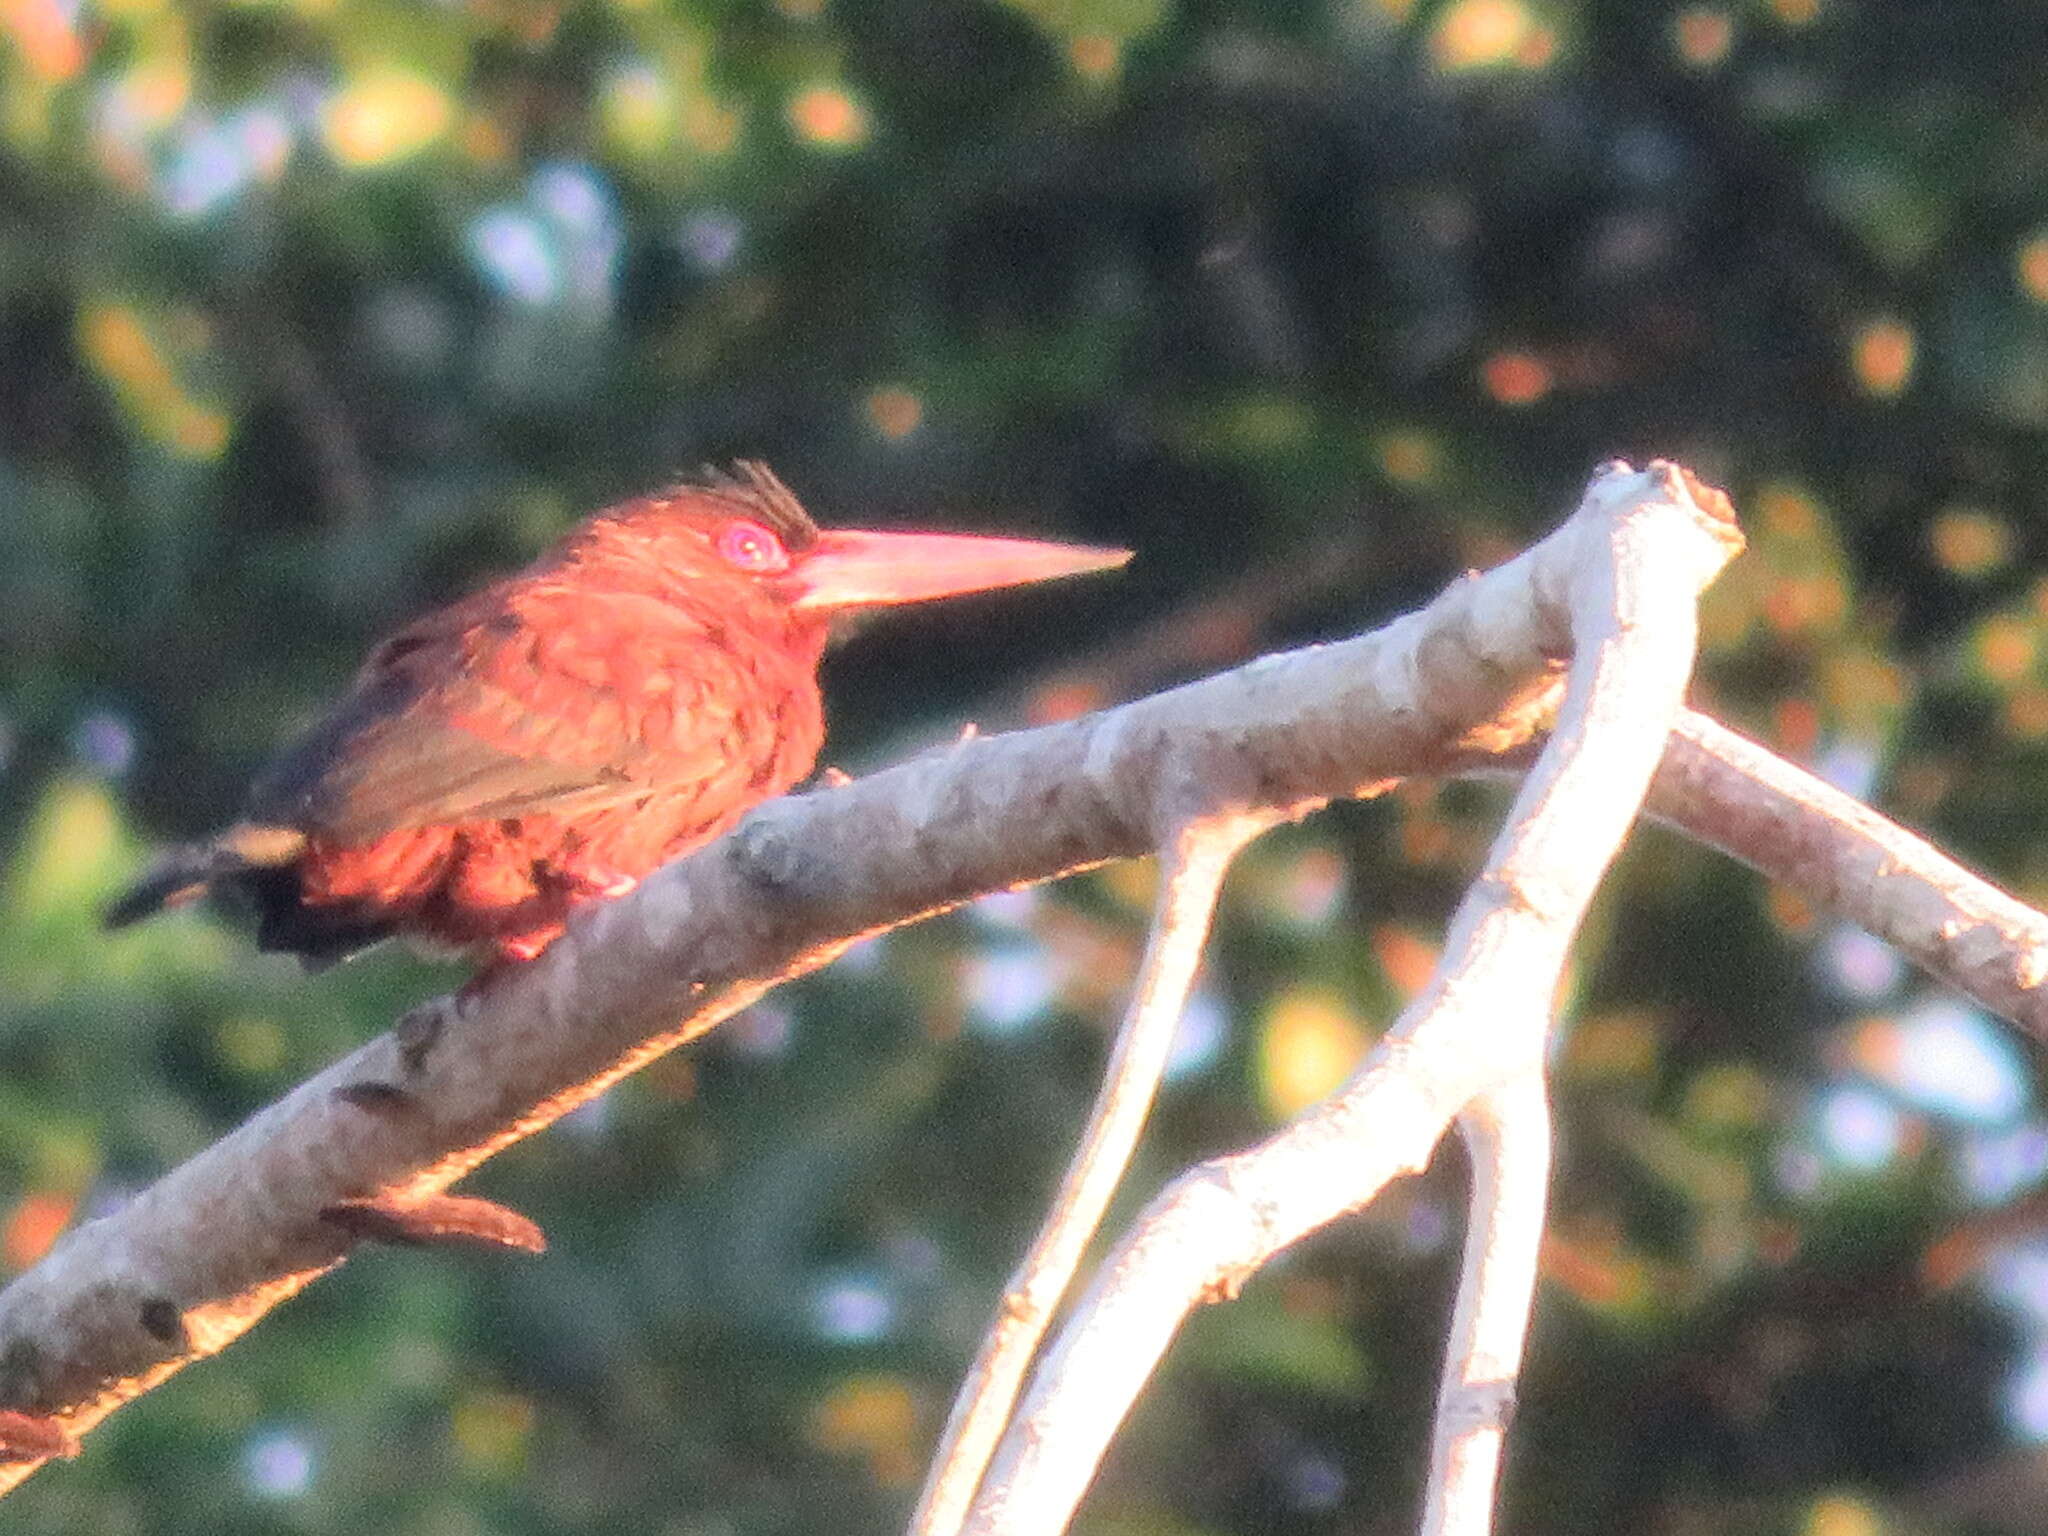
(753, 488)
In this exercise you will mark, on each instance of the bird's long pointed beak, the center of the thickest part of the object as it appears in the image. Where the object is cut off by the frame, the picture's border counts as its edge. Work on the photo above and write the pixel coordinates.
(853, 568)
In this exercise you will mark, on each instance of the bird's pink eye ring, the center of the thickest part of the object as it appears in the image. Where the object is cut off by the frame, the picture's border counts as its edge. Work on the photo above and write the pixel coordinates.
(751, 547)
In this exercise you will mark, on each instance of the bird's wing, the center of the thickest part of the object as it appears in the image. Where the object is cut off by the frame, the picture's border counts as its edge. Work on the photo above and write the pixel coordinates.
(514, 702)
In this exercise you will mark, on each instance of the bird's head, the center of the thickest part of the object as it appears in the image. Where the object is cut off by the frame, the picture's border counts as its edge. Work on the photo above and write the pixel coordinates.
(756, 528)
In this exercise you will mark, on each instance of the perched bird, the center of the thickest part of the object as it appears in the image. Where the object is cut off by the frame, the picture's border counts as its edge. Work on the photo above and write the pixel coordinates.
(561, 733)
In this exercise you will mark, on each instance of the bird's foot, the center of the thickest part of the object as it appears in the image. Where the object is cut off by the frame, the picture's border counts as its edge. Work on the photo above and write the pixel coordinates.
(438, 1220)
(33, 1436)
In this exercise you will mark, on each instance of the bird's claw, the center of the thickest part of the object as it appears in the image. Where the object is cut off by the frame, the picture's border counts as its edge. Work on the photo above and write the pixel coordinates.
(460, 1221)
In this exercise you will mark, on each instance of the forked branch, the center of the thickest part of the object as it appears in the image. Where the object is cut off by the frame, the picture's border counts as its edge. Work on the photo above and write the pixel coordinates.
(1621, 579)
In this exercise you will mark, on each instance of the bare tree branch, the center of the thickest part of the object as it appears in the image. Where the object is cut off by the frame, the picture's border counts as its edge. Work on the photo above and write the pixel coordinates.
(1194, 865)
(1735, 795)
(123, 1302)
(1622, 577)
(1507, 1130)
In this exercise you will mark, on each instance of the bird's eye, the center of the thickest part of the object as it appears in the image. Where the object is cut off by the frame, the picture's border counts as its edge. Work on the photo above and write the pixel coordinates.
(750, 547)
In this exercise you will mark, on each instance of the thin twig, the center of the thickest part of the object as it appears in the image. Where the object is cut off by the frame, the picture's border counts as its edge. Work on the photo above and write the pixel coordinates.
(1507, 1132)
(1191, 875)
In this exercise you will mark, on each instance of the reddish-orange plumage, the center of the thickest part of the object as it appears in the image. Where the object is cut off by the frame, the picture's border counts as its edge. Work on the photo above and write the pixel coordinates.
(558, 735)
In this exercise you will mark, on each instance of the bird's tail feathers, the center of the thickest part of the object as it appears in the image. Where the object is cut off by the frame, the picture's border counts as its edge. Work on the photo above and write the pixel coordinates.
(182, 874)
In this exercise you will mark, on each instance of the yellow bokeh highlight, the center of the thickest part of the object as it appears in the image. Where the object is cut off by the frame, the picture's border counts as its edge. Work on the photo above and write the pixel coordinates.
(384, 116)
(1134, 882)
(1969, 541)
(1483, 34)
(1881, 355)
(1703, 35)
(873, 1418)
(136, 363)
(155, 91)
(250, 1044)
(1612, 1046)
(1729, 1097)
(66, 852)
(828, 116)
(1309, 1043)
(1410, 458)
(637, 109)
(1797, 13)
(894, 411)
(1840, 1515)
(491, 1430)
(2031, 267)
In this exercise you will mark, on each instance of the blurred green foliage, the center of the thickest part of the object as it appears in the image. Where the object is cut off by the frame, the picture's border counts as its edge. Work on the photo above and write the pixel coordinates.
(311, 312)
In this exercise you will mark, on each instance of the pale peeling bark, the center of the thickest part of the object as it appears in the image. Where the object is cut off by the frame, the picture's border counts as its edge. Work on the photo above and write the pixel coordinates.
(182, 1270)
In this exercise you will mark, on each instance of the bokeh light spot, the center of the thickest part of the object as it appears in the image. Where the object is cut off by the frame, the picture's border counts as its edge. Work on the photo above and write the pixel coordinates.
(44, 37)
(1840, 1515)
(1309, 1042)
(1969, 541)
(2031, 265)
(894, 411)
(1703, 35)
(250, 1043)
(1010, 986)
(491, 1430)
(637, 108)
(1944, 1058)
(384, 116)
(277, 1465)
(828, 116)
(1409, 458)
(2026, 713)
(514, 252)
(1406, 958)
(1614, 1046)
(853, 1309)
(36, 1222)
(1797, 13)
(1881, 356)
(2005, 648)
(1515, 378)
(1858, 1128)
(875, 1419)
(1481, 34)
(1094, 56)
(1198, 1042)
(1858, 965)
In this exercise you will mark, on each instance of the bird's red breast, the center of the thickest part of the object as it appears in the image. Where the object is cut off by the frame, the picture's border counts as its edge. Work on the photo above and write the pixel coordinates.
(560, 734)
